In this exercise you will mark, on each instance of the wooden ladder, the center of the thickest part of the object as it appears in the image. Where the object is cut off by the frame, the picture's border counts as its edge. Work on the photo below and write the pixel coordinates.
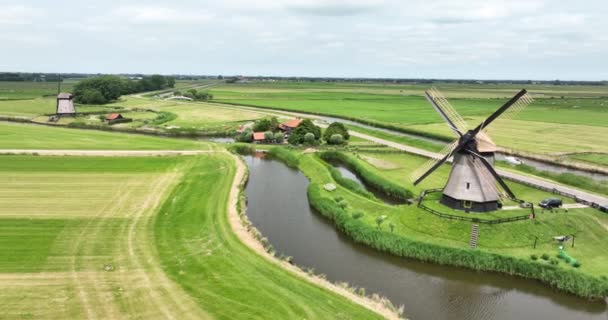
(474, 236)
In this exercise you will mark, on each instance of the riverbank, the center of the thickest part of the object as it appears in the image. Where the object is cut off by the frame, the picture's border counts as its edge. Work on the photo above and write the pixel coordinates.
(447, 243)
(240, 227)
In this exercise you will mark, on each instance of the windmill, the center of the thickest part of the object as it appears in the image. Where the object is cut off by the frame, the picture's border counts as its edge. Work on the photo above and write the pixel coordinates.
(473, 184)
(65, 103)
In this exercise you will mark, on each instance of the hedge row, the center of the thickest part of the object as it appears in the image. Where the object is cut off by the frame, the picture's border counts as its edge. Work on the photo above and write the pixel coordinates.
(368, 176)
(285, 155)
(563, 279)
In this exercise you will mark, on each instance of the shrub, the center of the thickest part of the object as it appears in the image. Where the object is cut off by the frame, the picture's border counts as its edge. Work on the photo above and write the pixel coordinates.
(576, 264)
(295, 139)
(336, 139)
(338, 198)
(279, 137)
(286, 156)
(269, 136)
(380, 220)
(358, 214)
(335, 128)
(309, 137)
(545, 256)
(553, 261)
(534, 257)
(343, 204)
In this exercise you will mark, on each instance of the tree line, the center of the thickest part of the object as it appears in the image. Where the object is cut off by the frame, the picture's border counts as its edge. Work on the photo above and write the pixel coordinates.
(105, 89)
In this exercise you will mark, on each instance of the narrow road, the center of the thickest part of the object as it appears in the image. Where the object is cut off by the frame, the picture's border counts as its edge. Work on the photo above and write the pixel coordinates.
(537, 182)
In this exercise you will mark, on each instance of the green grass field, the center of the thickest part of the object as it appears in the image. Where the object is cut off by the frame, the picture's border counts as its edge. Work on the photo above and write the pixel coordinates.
(594, 158)
(200, 252)
(514, 239)
(28, 136)
(11, 90)
(79, 236)
(546, 126)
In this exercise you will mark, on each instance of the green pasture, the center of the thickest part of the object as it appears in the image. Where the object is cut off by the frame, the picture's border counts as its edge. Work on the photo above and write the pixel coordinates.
(28, 136)
(515, 238)
(546, 126)
(200, 252)
(134, 237)
(16, 90)
(593, 158)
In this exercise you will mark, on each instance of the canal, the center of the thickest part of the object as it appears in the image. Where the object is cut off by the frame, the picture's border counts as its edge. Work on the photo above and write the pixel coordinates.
(279, 208)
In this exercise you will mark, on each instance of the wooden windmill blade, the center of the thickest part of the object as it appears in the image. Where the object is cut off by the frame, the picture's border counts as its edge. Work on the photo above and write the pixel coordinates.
(493, 172)
(446, 111)
(432, 165)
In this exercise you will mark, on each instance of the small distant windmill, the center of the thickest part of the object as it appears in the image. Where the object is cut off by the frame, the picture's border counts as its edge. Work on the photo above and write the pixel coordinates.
(473, 184)
(65, 104)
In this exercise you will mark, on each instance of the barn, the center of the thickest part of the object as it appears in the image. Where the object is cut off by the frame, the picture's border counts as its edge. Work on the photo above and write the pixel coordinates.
(288, 126)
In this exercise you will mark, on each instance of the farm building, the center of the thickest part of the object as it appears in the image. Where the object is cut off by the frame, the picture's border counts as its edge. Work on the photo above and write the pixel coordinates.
(114, 118)
(258, 137)
(289, 126)
(65, 104)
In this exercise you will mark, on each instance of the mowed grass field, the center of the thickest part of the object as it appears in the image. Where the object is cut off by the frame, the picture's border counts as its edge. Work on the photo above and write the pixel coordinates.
(146, 238)
(12, 90)
(29, 136)
(546, 126)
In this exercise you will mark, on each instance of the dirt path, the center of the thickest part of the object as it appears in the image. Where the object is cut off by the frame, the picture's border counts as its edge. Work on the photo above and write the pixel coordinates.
(248, 239)
(105, 153)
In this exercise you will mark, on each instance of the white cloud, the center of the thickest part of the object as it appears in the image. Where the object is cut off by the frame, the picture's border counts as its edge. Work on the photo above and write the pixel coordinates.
(19, 15)
(154, 14)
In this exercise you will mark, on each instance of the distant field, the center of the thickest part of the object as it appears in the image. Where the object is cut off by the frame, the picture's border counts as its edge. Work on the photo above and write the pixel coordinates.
(31, 90)
(545, 126)
(595, 158)
(27, 136)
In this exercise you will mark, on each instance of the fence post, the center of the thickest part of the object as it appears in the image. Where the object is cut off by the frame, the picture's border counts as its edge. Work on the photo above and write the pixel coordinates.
(535, 240)
(572, 241)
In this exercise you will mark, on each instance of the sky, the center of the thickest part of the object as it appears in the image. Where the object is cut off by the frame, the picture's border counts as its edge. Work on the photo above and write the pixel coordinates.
(445, 39)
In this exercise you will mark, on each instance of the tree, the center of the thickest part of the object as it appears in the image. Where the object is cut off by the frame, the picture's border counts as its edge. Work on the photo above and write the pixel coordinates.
(91, 96)
(295, 139)
(306, 126)
(336, 139)
(262, 125)
(245, 136)
(279, 137)
(391, 226)
(309, 138)
(336, 128)
(268, 137)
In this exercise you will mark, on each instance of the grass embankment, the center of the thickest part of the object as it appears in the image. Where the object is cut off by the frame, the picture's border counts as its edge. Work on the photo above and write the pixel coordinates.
(28, 136)
(200, 252)
(412, 232)
(376, 181)
(593, 158)
(570, 179)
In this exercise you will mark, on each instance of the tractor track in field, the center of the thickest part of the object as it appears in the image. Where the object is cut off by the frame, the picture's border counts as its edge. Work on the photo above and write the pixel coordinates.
(135, 269)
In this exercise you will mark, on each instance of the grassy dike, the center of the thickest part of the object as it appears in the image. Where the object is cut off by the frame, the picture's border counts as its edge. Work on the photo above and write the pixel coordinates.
(200, 251)
(435, 248)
